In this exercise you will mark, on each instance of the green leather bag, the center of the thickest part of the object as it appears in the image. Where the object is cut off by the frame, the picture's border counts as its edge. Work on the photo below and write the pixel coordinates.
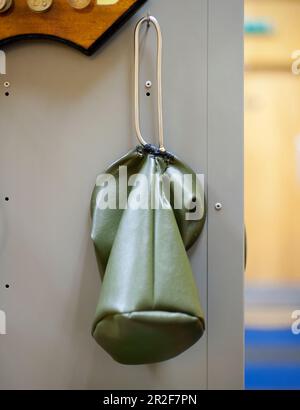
(148, 308)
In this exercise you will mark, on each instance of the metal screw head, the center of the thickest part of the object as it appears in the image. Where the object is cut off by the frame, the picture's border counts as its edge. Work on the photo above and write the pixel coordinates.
(80, 4)
(6, 84)
(39, 6)
(5, 5)
(148, 84)
(218, 206)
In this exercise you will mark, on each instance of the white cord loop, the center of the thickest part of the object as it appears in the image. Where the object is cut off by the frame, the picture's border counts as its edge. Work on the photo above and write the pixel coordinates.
(148, 20)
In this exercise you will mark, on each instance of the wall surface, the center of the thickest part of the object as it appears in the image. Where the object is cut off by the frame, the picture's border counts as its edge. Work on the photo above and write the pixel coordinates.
(66, 119)
(272, 144)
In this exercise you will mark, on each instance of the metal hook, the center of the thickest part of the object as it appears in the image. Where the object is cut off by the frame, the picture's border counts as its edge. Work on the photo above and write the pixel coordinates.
(148, 19)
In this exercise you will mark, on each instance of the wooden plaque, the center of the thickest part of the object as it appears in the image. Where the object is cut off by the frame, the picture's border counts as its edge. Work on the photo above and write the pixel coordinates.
(86, 29)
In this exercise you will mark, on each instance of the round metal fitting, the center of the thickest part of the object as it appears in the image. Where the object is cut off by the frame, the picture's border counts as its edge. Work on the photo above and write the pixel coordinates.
(79, 4)
(5, 5)
(39, 6)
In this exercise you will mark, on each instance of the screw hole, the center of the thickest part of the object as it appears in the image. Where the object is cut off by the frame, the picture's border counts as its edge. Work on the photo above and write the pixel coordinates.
(6, 198)
(7, 286)
(148, 94)
(7, 93)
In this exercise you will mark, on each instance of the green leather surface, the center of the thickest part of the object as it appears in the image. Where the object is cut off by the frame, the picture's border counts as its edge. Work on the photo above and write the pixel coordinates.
(147, 337)
(106, 222)
(148, 309)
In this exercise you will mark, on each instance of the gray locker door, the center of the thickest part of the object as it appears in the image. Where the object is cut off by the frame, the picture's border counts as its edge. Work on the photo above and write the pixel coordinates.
(66, 118)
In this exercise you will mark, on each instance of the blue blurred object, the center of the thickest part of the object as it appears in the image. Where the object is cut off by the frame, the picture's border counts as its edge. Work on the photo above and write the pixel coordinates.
(258, 27)
(272, 359)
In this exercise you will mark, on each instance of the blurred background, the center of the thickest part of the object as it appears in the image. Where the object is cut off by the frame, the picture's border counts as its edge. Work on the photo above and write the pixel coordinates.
(272, 192)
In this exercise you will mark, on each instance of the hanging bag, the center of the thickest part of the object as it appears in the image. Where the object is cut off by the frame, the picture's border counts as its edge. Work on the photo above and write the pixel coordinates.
(148, 309)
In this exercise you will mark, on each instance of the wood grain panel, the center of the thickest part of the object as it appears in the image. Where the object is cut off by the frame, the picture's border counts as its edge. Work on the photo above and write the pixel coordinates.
(84, 29)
